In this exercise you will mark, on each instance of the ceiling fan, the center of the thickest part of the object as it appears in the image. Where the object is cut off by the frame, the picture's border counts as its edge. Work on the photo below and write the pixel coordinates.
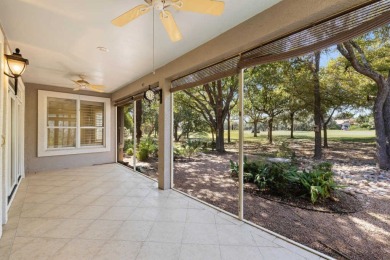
(82, 84)
(200, 6)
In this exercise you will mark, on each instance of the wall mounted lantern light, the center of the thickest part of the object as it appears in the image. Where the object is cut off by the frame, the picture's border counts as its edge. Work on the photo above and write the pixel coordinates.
(17, 65)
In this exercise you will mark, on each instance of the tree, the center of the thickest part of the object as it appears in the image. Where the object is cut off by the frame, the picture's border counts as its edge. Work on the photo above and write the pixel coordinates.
(268, 97)
(186, 120)
(213, 101)
(369, 56)
(295, 86)
(150, 117)
(138, 121)
(251, 103)
(129, 123)
(344, 115)
(339, 92)
(314, 67)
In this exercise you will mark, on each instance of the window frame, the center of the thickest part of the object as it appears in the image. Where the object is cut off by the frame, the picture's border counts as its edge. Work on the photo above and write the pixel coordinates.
(43, 149)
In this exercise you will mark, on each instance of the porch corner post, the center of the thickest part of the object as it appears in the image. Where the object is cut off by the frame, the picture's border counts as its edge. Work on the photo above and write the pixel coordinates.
(165, 117)
(241, 144)
(134, 137)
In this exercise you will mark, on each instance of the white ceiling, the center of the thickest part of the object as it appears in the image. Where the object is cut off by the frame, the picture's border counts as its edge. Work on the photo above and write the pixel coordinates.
(60, 38)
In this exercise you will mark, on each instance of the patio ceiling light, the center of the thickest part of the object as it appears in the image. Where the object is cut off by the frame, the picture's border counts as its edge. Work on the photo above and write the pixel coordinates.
(16, 65)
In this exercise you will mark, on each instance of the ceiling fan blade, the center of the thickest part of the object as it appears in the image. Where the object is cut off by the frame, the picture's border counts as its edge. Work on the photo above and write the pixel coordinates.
(76, 89)
(131, 15)
(201, 6)
(170, 26)
(97, 88)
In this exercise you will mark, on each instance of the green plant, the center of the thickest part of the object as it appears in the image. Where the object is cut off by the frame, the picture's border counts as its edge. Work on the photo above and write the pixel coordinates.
(324, 166)
(130, 151)
(284, 179)
(177, 152)
(272, 176)
(142, 155)
(317, 183)
(248, 177)
(147, 147)
(234, 168)
(128, 144)
(191, 147)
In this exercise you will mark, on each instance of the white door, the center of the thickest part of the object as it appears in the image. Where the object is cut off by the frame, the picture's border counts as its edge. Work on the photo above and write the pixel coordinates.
(13, 171)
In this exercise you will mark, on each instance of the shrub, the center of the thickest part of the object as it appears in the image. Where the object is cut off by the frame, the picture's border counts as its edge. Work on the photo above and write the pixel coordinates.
(142, 155)
(248, 177)
(130, 152)
(147, 147)
(177, 153)
(250, 169)
(318, 183)
(206, 146)
(272, 176)
(284, 179)
(128, 144)
(190, 148)
(234, 168)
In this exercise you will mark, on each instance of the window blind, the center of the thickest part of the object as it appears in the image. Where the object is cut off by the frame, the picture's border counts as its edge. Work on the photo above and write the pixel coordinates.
(322, 34)
(61, 122)
(91, 123)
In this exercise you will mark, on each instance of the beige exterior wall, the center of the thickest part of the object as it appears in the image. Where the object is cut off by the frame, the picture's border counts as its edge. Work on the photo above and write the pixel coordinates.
(33, 163)
(280, 19)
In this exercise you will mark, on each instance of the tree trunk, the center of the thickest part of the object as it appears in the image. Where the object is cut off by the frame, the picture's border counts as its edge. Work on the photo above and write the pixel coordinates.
(270, 123)
(292, 125)
(317, 106)
(212, 135)
(382, 100)
(138, 121)
(175, 134)
(255, 122)
(228, 126)
(220, 144)
(381, 120)
(325, 127)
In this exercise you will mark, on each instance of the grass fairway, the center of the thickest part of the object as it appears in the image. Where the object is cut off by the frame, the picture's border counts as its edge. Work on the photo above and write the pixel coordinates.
(358, 136)
(366, 136)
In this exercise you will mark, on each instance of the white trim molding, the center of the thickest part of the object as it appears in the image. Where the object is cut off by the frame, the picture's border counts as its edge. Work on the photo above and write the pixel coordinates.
(44, 151)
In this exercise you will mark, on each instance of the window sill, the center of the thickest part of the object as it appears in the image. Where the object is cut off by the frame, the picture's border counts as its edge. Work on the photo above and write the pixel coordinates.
(67, 151)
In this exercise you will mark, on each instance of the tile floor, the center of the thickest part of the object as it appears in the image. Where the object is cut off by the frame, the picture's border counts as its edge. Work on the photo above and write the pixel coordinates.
(110, 212)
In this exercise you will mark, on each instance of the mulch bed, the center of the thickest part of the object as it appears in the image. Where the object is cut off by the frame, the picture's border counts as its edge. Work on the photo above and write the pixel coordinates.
(341, 202)
(353, 228)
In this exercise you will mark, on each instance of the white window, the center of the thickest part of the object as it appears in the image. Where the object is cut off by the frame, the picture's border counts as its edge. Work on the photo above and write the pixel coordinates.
(72, 124)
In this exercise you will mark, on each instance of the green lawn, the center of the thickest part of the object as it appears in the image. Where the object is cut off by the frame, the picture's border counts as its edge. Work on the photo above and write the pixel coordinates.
(365, 136)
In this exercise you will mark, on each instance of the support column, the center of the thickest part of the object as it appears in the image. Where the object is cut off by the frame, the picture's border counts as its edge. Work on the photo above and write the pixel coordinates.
(241, 145)
(135, 137)
(120, 132)
(165, 119)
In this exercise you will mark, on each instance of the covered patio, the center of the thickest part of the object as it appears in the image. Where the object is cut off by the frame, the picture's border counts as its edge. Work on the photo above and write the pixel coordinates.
(64, 193)
(110, 212)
